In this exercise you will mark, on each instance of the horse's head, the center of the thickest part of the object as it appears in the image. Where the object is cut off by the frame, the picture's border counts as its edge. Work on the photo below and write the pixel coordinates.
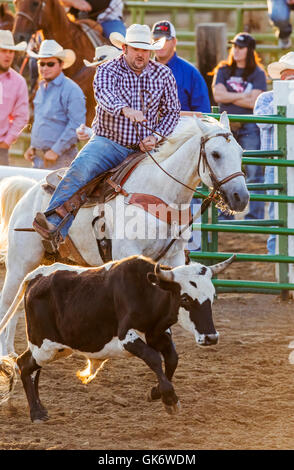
(220, 163)
(30, 14)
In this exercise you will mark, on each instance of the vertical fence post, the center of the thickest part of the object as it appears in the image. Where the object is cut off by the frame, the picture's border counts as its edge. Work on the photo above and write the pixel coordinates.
(284, 139)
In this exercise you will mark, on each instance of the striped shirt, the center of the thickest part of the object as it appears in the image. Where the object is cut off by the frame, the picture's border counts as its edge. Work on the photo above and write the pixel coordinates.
(154, 92)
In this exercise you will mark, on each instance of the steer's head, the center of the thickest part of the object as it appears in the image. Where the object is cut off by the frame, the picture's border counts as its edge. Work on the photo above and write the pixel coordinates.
(197, 294)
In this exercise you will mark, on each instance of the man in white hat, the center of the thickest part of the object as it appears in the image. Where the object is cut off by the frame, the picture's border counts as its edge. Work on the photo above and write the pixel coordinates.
(281, 70)
(59, 107)
(14, 100)
(130, 88)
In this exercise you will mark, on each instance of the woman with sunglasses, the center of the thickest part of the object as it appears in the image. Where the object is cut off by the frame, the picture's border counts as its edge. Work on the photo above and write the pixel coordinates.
(238, 81)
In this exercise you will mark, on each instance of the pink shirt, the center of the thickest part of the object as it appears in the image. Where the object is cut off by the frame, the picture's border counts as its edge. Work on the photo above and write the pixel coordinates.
(14, 106)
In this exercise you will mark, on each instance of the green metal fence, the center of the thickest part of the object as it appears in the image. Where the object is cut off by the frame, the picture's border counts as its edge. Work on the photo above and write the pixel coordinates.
(278, 226)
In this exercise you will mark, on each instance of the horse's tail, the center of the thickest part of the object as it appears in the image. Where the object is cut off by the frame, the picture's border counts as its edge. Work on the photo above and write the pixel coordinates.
(12, 189)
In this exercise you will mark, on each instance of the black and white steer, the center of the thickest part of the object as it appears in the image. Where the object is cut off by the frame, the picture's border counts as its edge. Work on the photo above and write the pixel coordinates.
(124, 307)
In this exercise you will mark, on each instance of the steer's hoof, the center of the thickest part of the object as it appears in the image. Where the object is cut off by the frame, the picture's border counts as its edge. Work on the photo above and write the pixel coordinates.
(173, 409)
(154, 394)
(39, 416)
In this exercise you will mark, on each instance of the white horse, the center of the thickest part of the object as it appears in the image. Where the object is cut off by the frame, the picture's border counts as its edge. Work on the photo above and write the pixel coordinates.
(179, 156)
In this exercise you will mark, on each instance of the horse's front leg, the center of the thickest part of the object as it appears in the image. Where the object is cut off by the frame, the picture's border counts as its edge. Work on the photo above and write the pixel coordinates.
(165, 346)
(152, 358)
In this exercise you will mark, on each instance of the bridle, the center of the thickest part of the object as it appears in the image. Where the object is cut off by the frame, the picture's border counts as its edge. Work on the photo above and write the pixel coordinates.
(36, 19)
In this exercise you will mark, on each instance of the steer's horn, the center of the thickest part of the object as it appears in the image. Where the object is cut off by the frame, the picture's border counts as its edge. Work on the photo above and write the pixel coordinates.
(164, 274)
(218, 268)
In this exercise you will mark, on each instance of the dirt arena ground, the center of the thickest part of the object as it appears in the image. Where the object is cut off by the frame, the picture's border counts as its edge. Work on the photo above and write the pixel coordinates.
(236, 395)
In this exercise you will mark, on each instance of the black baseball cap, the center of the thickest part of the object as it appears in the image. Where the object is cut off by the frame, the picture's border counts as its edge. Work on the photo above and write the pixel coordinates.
(244, 40)
(163, 28)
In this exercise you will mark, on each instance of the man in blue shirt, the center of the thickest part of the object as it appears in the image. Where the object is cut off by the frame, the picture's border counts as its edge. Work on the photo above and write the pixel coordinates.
(192, 92)
(192, 88)
(59, 108)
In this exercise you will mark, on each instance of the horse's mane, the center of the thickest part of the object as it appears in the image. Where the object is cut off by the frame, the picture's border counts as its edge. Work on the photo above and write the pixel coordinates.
(186, 128)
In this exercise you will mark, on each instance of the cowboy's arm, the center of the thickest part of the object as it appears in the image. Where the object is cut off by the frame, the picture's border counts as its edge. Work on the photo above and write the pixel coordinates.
(20, 114)
(76, 114)
(264, 105)
(169, 108)
(106, 93)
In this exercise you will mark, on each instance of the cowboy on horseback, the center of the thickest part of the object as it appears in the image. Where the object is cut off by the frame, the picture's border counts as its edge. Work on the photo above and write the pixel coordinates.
(130, 89)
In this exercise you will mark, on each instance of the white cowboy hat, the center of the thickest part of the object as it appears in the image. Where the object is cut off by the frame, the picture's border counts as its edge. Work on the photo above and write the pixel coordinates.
(285, 62)
(50, 48)
(7, 42)
(138, 36)
(102, 54)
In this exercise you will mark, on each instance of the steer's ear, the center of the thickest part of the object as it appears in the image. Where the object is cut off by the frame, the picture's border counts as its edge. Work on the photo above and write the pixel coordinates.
(163, 284)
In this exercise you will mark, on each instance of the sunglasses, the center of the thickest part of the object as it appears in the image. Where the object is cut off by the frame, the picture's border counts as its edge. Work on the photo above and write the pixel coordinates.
(48, 64)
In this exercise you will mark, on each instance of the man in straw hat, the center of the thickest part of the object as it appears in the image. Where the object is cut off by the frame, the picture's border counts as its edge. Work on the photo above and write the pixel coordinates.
(130, 88)
(281, 70)
(59, 107)
(14, 100)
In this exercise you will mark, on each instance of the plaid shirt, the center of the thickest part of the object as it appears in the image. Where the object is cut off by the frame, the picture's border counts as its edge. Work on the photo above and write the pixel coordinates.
(265, 105)
(117, 86)
(113, 12)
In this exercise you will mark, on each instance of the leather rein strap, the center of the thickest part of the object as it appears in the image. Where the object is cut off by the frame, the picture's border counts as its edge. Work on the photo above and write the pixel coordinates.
(216, 184)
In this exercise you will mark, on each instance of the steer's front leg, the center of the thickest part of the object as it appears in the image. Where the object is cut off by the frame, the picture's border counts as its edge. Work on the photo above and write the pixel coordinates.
(133, 344)
(165, 346)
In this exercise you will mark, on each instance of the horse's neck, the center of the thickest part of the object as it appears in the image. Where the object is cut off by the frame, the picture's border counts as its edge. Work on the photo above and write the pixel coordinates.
(182, 165)
(57, 25)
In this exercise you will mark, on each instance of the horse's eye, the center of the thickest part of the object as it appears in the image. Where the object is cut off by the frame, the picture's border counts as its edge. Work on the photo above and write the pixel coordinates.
(35, 4)
(215, 155)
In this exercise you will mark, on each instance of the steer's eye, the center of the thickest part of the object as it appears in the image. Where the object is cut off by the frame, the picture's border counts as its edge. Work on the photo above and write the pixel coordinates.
(185, 299)
(193, 284)
(215, 155)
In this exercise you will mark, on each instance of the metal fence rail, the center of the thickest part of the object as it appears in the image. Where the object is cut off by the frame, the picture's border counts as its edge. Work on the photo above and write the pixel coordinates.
(279, 226)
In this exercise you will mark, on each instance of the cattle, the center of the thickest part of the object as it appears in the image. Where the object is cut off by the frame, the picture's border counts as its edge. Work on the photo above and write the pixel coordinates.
(122, 308)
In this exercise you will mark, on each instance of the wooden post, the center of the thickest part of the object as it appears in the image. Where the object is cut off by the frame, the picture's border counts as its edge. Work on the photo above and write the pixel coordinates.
(211, 46)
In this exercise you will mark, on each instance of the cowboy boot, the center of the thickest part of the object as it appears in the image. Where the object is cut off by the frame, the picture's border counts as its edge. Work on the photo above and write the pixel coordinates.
(51, 237)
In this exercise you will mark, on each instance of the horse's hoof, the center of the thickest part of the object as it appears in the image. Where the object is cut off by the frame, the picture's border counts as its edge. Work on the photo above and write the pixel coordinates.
(154, 394)
(173, 409)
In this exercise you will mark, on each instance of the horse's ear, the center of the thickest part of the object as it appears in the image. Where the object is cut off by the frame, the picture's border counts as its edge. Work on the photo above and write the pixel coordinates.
(224, 120)
(205, 128)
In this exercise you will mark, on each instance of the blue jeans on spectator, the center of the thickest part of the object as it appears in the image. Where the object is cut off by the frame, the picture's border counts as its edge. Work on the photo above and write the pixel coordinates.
(279, 14)
(269, 177)
(98, 155)
(112, 26)
(248, 137)
(64, 160)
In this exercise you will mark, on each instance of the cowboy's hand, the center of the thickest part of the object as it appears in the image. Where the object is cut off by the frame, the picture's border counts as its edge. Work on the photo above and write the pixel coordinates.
(81, 5)
(51, 156)
(4, 145)
(290, 2)
(133, 114)
(148, 143)
(29, 154)
(83, 132)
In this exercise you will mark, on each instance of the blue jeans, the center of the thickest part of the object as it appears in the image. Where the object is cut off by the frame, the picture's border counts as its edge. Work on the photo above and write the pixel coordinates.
(98, 155)
(112, 26)
(269, 177)
(248, 137)
(279, 14)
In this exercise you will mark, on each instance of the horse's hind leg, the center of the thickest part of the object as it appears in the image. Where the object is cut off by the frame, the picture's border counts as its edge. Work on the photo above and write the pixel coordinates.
(27, 366)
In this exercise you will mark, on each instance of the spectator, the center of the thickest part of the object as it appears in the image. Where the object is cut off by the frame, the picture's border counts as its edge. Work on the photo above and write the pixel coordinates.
(237, 83)
(109, 13)
(59, 107)
(279, 13)
(124, 87)
(283, 70)
(192, 91)
(14, 100)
